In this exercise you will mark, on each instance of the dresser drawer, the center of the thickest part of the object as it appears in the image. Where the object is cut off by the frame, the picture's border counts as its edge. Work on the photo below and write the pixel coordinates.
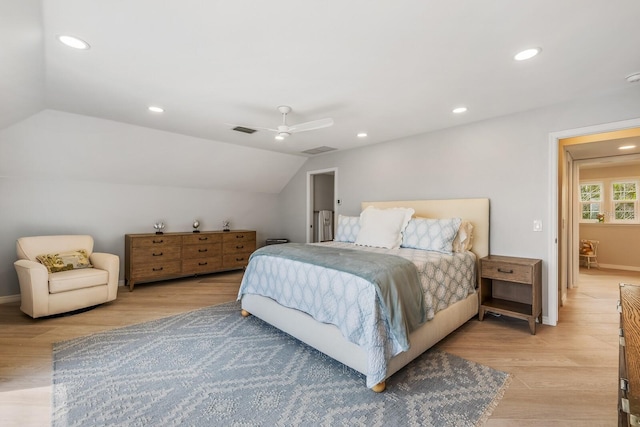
(505, 271)
(155, 270)
(200, 238)
(238, 236)
(235, 261)
(232, 248)
(147, 254)
(156, 241)
(201, 265)
(206, 250)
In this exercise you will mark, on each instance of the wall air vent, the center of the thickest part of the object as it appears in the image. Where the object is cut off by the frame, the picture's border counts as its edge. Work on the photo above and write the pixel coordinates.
(319, 150)
(244, 129)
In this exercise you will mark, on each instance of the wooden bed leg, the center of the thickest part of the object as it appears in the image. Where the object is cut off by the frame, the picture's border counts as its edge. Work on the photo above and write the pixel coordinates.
(245, 313)
(380, 387)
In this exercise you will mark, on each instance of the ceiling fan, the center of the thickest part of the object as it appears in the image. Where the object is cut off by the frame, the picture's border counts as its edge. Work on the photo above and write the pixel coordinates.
(284, 130)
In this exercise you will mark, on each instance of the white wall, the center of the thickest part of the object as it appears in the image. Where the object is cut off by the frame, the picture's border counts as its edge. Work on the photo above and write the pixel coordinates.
(64, 173)
(21, 60)
(505, 159)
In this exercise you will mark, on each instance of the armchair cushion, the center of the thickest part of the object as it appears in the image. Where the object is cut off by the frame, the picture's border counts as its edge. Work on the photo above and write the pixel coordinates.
(76, 279)
(63, 261)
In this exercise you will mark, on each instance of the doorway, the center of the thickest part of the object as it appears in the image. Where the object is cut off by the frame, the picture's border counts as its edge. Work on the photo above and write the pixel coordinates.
(564, 148)
(322, 190)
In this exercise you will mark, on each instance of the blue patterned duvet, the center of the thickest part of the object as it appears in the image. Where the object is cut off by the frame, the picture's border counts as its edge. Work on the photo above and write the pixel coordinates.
(350, 302)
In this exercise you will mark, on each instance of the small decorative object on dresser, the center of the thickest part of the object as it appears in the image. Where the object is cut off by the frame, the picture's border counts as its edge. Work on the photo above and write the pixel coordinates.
(511, 286)
(159, 226)
(196, 224)
(226, 225)
(149, 258)
(629, 358)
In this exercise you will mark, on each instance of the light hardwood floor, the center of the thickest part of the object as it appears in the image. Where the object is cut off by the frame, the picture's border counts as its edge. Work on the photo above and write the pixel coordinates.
(563, 376)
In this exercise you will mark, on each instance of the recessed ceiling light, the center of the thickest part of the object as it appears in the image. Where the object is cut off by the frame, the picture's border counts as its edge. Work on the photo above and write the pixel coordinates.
(362, 135)
(633, 78)
(459, 110)
(74, 42)
(626, 147)
(527, 54)
(156, 109)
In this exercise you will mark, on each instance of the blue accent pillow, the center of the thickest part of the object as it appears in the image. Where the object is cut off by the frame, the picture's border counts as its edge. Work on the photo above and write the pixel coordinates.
(431, 234)
(348, 228)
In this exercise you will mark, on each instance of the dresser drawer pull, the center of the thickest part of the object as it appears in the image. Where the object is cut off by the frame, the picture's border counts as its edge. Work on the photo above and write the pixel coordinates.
(239, 246)
(158, 269)
(203, 263)
(203, 250)
(501, 270)
(160, 254)
(240, 259)
(158, 241)
(239, 236)
(203, 238)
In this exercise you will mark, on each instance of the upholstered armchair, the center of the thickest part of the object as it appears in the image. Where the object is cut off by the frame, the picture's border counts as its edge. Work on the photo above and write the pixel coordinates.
(58, 274)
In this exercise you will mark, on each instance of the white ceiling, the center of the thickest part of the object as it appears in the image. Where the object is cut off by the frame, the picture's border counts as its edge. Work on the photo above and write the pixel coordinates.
(388, 68)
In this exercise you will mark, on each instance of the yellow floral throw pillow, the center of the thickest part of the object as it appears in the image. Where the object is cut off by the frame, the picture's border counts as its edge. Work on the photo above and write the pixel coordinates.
(65, 261)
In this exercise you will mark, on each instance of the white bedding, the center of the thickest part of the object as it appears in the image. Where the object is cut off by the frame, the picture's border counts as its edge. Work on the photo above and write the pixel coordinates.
(350, 302)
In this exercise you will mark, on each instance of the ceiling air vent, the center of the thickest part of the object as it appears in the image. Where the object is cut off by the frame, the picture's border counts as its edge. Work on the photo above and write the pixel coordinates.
(319, 150)
(244, 129)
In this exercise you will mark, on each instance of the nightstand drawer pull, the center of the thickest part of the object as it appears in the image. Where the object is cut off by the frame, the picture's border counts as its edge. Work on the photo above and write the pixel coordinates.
(502, 270)
(158, 269)
(239, 236)
(240, 259)
(203, 263)
(160, 254)
(158, 241)
(202, 250)
(203, 238)
(239, 246)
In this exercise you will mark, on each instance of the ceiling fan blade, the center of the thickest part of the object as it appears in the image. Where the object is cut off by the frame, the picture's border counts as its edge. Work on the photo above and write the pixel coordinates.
(312, 125)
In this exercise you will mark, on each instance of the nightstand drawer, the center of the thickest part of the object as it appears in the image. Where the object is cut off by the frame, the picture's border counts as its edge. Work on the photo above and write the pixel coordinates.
(506, 271)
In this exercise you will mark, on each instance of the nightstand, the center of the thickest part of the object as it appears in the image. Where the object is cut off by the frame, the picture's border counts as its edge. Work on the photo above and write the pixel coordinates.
(512, 287)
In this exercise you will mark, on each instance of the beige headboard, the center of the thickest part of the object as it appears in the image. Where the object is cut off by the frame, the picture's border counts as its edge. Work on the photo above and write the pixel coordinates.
(474, 210)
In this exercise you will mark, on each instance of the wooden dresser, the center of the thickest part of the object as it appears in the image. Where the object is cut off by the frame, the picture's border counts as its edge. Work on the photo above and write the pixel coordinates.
(150, 257)
(629, 392)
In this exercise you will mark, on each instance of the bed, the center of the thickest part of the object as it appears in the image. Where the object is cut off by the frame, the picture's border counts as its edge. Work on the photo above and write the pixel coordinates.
(329, 338)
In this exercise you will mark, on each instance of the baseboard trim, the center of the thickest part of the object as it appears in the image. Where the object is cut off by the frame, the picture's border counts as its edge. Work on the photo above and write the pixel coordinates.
(619, 267)
(9, 298)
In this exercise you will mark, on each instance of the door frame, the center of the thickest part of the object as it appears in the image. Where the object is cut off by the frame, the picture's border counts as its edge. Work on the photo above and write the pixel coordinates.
(310, 194)
(554, 232)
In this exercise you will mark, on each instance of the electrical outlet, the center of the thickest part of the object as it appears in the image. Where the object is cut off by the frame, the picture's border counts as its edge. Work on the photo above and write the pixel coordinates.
(537, 225)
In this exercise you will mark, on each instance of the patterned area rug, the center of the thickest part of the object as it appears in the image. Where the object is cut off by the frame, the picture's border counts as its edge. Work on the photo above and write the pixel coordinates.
(212, 367)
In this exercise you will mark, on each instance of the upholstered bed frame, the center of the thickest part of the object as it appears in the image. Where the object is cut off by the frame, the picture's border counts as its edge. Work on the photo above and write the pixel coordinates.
(328, 339)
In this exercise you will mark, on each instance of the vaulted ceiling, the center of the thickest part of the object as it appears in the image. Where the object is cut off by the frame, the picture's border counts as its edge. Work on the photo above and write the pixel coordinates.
(387, 68)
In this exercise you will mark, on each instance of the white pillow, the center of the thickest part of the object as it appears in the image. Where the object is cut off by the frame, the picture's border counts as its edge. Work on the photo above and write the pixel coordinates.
(382, 228)
(348, 228)
(464, 239)
(431, 234)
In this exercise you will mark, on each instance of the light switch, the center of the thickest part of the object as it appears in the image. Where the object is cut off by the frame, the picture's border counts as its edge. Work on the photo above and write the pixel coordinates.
(537, 225)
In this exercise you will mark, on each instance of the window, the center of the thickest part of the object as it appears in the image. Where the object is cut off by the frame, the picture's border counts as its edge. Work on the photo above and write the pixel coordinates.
(591, 201)
(625, 201)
